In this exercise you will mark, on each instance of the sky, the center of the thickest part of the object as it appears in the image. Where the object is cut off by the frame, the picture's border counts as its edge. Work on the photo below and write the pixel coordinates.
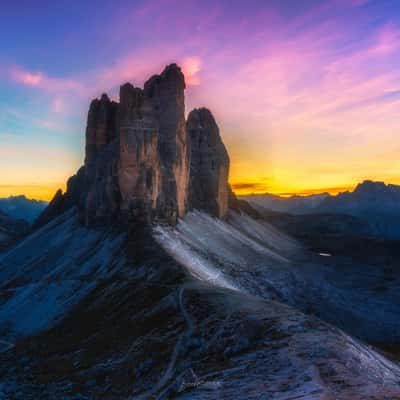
(306, 93)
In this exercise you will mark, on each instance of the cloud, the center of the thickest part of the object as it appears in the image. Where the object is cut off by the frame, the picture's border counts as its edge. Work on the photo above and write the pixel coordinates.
(243, 188)
(26, 77)
(47, 83)
(320, 85)
(308, 192)
(249, 187)
(134, 67)
(191, 68)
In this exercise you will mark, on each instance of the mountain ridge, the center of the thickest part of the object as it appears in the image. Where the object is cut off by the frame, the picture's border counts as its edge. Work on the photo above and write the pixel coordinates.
(11, 230)
(370, 191)
(21, 207)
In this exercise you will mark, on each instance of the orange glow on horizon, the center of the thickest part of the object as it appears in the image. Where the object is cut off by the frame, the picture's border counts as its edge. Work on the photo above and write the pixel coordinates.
(36, 192)
(243, 188)
(46, 193)
(248, 188)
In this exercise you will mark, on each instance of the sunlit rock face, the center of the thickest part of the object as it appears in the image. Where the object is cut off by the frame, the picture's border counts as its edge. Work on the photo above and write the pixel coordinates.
(209, 165)
(138, 154)
(139, 164)
(137, 160)
(166, 95)
(153, 170)
(143, 170)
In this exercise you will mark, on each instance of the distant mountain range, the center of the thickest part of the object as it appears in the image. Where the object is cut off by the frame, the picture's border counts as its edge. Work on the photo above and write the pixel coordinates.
(11, 230)
(368, 198)
(294, 204)
(22, 208)
(374, 203)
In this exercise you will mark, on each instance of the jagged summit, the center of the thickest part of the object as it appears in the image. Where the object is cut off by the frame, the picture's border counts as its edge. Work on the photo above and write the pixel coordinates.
(20, 207)
(376, 187)
(144, 161)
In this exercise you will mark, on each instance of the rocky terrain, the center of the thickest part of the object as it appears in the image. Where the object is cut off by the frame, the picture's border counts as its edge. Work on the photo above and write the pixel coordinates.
(209, 165)
(294, 204)
(11, 230)
(368, 197)
(22, 208)
(148, 279)
(141, 158)
(373, 208)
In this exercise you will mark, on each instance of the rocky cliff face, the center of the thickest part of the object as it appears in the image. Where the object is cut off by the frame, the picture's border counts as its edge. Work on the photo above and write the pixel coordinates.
(209, 164)
(154, 157)
(139, 169)
(144, 161)
(166, 94)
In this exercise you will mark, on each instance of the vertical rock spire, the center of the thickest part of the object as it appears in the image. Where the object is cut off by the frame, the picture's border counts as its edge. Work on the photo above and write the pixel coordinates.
(166, 94)
(101, 126)
(138, 152)
(209, 164)
(139, 166)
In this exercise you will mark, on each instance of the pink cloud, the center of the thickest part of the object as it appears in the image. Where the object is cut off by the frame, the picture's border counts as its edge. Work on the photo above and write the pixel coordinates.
(388, 39)
(133, 67)
(309, 88)
(283, 75)
(42, 81)
(26, 77)
(286, 84)
(191, 68)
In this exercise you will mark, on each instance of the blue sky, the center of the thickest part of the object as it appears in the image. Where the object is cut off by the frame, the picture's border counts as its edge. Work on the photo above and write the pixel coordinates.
(306, 93)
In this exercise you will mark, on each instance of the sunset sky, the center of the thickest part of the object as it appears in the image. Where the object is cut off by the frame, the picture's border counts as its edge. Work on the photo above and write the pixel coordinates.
(306, 93)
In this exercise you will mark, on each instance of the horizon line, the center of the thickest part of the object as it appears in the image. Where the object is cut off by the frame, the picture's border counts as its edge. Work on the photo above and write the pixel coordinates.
(47, 192)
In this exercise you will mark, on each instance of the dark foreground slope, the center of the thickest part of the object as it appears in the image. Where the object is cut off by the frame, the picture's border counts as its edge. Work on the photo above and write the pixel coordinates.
(114, 316)
(22, 208)
(360, 295)
(11, 230)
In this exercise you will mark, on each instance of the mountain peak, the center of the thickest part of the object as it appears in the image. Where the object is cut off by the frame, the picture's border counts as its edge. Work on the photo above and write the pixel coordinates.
(375, 188)
(20, 207)
(369, 184)
(144, 161)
